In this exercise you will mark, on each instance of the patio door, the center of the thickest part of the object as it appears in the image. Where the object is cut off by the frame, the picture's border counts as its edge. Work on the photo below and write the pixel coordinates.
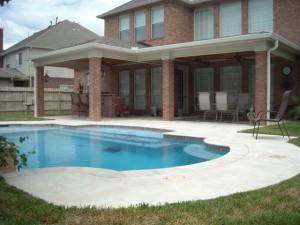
(181, 90)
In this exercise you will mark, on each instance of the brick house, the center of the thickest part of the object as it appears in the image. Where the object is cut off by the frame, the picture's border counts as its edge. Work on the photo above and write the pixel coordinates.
(162, 53)
(17, 71)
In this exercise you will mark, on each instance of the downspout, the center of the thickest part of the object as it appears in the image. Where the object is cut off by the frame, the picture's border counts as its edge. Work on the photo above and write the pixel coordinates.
(35, 95)
(269, 77)
(30, 83)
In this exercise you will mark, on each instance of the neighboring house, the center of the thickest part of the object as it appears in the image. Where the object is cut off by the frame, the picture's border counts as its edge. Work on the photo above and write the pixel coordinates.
(185, 47)
(60, 35)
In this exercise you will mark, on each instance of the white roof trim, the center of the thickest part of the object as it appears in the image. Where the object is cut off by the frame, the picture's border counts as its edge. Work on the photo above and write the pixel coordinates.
(249, 42)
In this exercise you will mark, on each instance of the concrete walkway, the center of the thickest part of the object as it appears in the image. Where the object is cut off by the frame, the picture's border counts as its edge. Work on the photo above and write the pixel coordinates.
(250, 164)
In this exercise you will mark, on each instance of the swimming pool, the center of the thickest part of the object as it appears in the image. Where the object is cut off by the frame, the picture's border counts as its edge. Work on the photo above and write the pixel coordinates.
(106, 147)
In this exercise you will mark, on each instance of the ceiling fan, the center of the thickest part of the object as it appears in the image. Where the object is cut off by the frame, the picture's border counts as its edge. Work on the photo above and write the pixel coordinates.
(199, 62)
(238, 58)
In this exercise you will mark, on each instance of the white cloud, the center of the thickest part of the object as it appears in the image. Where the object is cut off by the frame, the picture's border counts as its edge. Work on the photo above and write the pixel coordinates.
(21, 18)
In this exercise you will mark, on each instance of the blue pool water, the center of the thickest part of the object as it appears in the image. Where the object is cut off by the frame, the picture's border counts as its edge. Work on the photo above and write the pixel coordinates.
(107, 148)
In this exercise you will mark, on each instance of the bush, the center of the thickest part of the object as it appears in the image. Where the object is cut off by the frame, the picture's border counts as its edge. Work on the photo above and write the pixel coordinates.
(296, 111)
(9, 149)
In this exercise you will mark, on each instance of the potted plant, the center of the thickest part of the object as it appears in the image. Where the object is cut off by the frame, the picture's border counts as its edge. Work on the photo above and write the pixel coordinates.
(122, 110)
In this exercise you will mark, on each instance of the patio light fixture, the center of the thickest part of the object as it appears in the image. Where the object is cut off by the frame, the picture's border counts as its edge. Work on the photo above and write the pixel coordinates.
(46, 78)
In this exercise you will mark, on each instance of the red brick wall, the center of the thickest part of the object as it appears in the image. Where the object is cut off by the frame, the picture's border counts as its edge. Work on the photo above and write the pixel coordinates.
(287, 19)
(168, 90)
(175, 32)
(111, 28)
(40, 91)
(95, 88)
(261, 81)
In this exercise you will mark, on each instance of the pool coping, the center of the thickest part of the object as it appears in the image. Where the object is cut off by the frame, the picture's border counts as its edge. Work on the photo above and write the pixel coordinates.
(232, 171)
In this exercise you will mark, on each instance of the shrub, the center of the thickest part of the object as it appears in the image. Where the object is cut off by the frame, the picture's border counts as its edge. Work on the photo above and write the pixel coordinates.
(122, 110)
(9, 149)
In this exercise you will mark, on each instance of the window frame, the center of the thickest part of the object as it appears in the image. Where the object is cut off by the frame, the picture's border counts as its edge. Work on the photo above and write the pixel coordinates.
(142, 90)
(210, 30)
(138, 13)
(162, 22)
(154, 90)
(257, 27)
(121, 30)
(19, 59)
(229, 31)
(123, 73)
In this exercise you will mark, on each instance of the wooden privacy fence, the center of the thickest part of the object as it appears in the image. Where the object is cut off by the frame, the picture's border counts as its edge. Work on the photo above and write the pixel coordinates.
(13, 99)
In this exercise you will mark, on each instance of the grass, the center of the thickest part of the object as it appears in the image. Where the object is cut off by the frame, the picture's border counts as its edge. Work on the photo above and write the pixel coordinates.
(292, 127)
(277, 205)
(28, 117)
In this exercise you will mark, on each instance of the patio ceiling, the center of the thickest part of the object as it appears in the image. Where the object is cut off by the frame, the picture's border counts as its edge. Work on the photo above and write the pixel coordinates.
(77, 57)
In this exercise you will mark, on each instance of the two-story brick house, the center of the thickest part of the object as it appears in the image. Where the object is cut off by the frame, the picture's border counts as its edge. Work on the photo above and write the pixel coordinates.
(185, 47)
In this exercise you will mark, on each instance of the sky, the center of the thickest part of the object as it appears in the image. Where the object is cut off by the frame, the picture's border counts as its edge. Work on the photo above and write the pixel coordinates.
(22, 18)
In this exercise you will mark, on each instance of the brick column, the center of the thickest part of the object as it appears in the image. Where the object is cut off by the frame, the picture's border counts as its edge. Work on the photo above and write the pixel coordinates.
(260, 81)
(39, 91)
(168, 90)
(95, 89)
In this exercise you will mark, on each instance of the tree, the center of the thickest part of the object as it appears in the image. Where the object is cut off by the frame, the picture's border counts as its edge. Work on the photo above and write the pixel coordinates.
(3, 1)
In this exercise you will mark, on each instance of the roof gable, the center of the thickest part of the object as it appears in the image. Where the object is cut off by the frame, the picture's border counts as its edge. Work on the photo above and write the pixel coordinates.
(62, 34)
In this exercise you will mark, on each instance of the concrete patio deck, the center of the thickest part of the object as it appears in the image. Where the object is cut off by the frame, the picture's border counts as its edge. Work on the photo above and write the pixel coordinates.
(250, 164)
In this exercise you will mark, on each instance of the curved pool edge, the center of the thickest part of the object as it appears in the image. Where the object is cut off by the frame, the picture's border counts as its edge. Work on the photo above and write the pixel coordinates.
(250, 164)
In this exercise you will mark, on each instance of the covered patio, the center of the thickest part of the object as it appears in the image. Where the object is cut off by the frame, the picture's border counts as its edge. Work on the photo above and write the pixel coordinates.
(265, 53)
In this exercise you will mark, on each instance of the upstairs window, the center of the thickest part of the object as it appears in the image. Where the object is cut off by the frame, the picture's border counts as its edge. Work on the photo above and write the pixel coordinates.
(157, 21)
(7, 62)
(231, 19)
(124, 27)
(260, 16)
(19, 59)
(204, 24)
(140, 26)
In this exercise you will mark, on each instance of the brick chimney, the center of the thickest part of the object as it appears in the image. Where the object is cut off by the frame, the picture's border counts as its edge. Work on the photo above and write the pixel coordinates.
(1, 47)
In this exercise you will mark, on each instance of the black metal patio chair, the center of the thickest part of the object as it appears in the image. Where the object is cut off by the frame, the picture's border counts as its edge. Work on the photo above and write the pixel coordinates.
(279, 115)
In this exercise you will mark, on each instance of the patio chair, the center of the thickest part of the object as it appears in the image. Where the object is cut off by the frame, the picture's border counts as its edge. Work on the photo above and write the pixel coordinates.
(204, 104)
(222, 106)
(279, 115)
(76, 103)
(29, 103)
(242, 105)
(84, 103)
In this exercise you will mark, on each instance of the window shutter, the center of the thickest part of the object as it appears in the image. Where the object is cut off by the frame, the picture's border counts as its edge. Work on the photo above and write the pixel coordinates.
(260, 16)
(231, 19)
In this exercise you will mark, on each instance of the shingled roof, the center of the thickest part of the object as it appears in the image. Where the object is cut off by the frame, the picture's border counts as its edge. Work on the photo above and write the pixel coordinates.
(8, 73)
(140, 3)
(60, 35)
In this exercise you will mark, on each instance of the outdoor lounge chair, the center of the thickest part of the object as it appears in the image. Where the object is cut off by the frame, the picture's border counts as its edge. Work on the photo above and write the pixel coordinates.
(242, 105)
(279, 115)
(222, 106)
(204, 104)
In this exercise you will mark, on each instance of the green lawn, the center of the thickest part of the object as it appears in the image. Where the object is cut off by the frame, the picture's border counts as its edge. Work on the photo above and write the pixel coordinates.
(292, 127)
(27, 117)
(275, 205)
